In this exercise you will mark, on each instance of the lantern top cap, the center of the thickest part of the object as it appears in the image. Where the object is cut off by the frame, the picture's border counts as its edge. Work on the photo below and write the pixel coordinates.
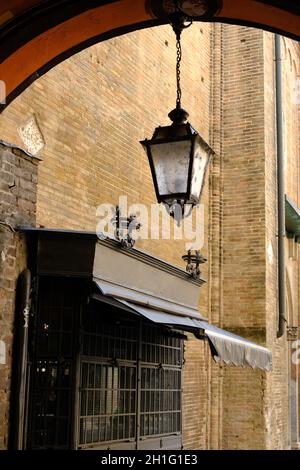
(178, 116)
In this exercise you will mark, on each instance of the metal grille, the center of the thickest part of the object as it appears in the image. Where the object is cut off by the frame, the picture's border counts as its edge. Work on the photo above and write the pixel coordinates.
(127, 374)
(114, 404)
(107, 339)
(160, 349)
(51, 404)
(160, 383)
(108, 403)
(160, 401)
(53, 369)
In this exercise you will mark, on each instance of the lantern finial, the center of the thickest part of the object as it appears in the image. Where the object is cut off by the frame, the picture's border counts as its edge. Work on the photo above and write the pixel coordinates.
(178, 116)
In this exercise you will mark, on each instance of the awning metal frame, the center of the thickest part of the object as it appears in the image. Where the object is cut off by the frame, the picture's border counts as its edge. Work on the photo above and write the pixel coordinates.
(225, 346)
(146, 299)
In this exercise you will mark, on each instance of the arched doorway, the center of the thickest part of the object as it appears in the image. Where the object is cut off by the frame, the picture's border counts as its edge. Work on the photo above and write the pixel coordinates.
(37, 35)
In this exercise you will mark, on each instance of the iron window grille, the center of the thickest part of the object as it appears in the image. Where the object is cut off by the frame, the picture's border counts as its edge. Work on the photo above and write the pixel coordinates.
(99, 377)
(130, 381)
(52, 369)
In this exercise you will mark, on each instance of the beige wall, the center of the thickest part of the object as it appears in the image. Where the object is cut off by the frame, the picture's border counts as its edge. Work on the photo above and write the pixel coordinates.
(92, 111)
(291, 66)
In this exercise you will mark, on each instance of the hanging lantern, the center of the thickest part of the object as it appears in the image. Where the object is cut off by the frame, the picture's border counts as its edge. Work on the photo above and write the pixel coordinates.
(178, 155)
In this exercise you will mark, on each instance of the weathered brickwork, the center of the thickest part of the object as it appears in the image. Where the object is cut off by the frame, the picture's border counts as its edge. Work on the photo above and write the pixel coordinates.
(282, 417)
(93, 109)
(243, 254)
(18, 180)
(256, 409)
(214, 416)
(290, 374)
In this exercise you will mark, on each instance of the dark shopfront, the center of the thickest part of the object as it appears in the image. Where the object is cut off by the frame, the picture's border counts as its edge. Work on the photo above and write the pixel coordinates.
(104, 352)
(117, 364)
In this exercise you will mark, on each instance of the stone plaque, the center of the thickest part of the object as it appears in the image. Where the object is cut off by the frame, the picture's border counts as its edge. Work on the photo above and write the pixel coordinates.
(32, 137)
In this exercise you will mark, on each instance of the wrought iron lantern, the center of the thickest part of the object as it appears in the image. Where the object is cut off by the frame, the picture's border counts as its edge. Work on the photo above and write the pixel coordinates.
(178, 155)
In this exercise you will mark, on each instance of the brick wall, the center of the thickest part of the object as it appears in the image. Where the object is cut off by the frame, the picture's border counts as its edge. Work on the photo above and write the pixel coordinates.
(103, 102)
(18, 179)
(288, 372)
(255, 405)
(214, 415)
(243, 256)
(283, 382)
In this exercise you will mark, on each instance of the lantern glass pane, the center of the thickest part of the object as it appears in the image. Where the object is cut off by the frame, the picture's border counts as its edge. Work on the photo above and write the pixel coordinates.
(171, 164)
(201, 159)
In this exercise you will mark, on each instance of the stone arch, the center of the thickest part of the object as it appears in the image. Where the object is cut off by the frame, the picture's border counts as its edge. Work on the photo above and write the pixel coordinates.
(37, 35)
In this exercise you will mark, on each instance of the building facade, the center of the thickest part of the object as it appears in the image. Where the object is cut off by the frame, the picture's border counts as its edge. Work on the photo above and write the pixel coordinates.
(83, 121)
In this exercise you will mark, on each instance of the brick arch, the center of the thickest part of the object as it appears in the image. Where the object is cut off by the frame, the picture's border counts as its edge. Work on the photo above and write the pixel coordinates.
(36, 35)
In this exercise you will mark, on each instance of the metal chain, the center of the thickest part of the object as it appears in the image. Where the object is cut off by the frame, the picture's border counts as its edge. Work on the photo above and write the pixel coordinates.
(178, 64)
(179, 24)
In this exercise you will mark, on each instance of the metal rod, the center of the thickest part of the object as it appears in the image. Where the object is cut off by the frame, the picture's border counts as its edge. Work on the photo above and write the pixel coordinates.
(138, 388)
(21, 358)
(280, 189)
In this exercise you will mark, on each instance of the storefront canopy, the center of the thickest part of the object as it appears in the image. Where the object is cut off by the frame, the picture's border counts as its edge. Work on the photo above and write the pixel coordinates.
(142, 285)
(225, 346)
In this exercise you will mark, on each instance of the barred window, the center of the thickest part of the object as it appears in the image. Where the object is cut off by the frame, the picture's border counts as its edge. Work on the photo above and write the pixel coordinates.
(53, 371)
(108, 402)
(130, 380)
(101, 377)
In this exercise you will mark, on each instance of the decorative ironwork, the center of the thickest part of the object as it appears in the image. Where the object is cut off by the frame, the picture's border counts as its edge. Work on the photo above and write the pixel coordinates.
(292, 333)
(192, 8)
(124, 228)
(179, 209)
(26, 314)
(193, 261)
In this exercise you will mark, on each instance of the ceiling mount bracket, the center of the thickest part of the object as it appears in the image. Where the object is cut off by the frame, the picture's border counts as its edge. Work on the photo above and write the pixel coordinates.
(200, 9)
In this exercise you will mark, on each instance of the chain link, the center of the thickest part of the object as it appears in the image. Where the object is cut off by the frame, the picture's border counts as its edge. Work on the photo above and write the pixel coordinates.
(178, 24)
(178, 64)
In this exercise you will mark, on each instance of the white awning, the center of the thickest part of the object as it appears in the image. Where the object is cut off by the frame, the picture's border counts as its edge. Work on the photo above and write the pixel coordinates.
(145, 298)
(225, 346)
(236, 350)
